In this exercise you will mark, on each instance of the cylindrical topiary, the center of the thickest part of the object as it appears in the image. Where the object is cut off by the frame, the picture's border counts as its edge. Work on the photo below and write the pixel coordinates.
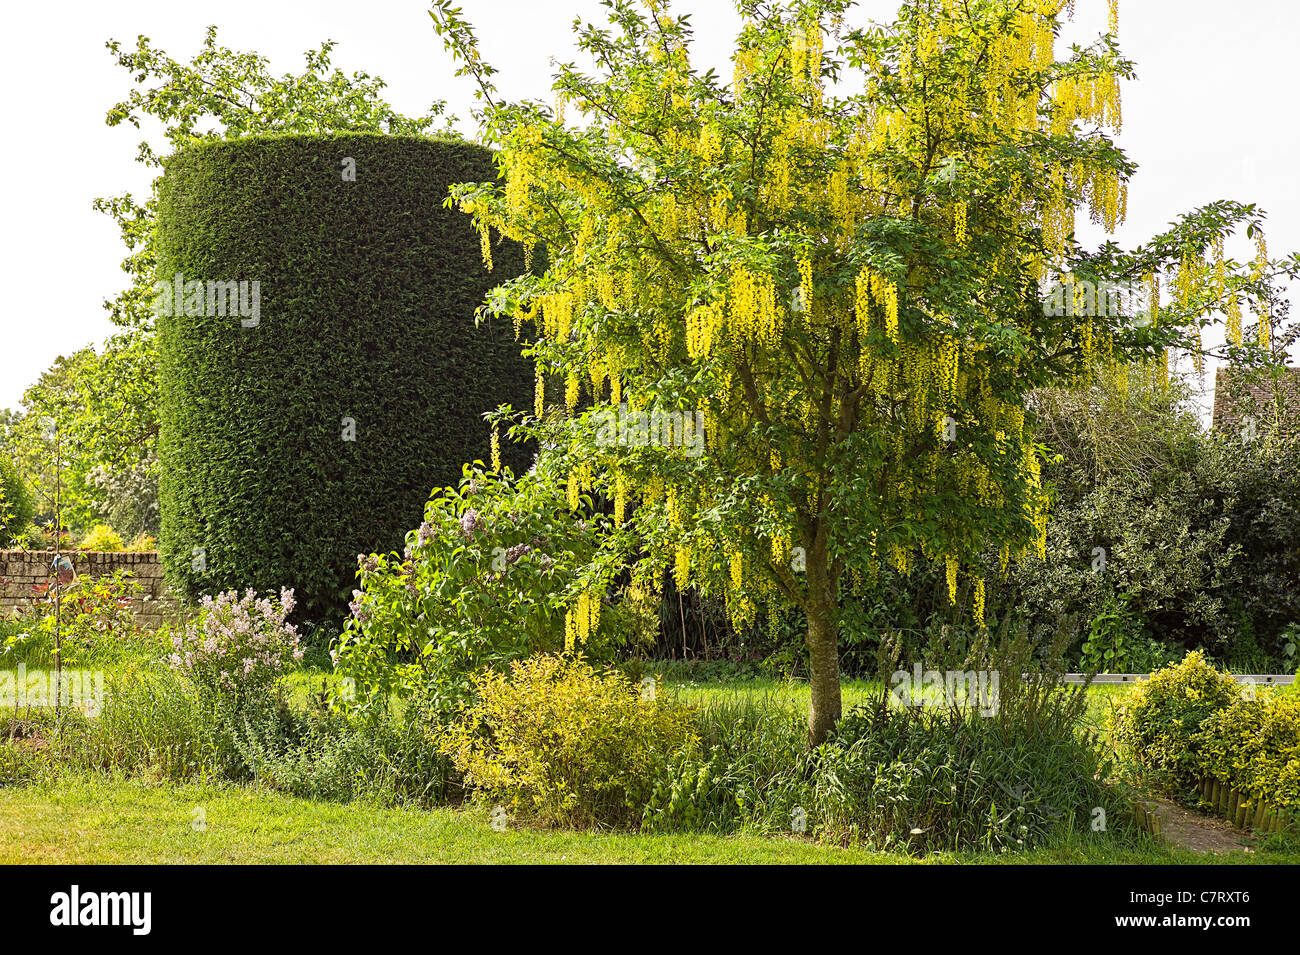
(320, 367)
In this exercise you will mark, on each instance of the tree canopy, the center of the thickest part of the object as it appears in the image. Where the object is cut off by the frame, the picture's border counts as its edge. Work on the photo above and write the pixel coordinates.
(855, 261)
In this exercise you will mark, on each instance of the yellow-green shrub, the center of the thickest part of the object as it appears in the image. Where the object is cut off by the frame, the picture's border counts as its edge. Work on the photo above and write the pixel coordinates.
(142, 543)
(1254, 747)
(1155, 722)
(103, 538)
(565, 742)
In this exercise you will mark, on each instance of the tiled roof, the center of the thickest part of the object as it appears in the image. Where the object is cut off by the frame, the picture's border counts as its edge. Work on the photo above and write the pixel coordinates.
(1237, 395)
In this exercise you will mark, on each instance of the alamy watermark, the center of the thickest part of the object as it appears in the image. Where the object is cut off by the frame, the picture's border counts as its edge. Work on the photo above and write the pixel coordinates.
(640, 429)
(1080, 298)
(132, 910)
(79, 689)
(210, 298)
(974, 688)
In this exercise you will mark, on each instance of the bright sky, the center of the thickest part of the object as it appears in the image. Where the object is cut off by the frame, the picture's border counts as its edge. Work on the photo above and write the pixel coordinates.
(1203, 120)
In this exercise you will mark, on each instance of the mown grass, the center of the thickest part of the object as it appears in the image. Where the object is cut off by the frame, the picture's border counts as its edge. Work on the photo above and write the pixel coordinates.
(100, 820)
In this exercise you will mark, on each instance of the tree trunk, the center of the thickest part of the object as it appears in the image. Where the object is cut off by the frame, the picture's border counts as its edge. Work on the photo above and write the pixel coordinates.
(823, 645)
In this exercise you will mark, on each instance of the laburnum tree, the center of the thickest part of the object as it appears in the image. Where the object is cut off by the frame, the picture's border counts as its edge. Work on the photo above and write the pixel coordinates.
(856, 261)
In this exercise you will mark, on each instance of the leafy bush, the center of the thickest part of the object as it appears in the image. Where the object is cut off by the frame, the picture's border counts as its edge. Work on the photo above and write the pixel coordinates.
(31, 538)
(1110, 638)
(16, 504)
(238, 648)
(288, 446)
(128, 496)
(496, 572)
(155, 724)
(142, 543)
(1290, 641)
(1200, 548)
(1254, 747)
(927, 779)
(751, 768)
(560, 740)
(319, 754)
(101, 537)
(1156, 722)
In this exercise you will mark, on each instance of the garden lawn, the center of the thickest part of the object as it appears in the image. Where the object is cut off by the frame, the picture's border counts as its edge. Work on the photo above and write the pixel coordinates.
(89, 820)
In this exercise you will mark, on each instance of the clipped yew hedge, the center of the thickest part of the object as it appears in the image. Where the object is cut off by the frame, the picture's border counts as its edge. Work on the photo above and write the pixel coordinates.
(362, 327)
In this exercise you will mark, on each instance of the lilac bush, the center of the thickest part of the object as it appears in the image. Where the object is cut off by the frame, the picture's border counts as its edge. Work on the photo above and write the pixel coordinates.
(237, 646)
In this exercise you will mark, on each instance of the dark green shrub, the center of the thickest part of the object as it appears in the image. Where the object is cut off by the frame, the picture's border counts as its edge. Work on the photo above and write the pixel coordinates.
(297, 437)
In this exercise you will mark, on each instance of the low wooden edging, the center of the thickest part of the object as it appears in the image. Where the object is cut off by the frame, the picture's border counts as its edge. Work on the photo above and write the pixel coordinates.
(1145, 818)
(1241, 810)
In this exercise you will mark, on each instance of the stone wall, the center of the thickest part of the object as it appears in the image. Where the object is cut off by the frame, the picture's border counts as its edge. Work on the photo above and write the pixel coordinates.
(22, 570)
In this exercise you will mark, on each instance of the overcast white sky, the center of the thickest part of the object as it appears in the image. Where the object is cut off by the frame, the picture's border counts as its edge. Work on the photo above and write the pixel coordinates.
(1205, 120)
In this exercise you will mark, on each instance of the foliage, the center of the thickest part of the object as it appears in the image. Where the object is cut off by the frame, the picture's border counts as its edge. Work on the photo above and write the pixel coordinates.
(128, 497)
(16, 505)
(238, 648)
(289, 445)
(846, 286)
(152, 725)
(929, 780)
(1190, 531)
(1110, 645)
(1258, 484)
(485, 580)
(559, 740)
(142, 543)
(1155, 724)
(1290, 640)
(752, 752)
(101, 537)
(51, 442)
(317, 754)
(31, 538)
(1253, 746)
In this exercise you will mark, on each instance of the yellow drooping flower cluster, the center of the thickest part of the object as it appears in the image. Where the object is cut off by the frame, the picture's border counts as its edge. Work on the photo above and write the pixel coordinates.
(752, 311)
(581, 620)
(960, 213)
(1259, 268)
(876, 295)
(1087, 97)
